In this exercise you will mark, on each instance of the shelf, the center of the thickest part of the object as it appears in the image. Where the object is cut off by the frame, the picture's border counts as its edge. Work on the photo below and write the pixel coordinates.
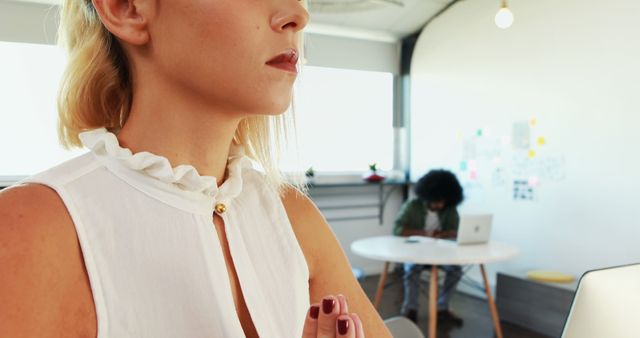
(383, 197)
(361, 183)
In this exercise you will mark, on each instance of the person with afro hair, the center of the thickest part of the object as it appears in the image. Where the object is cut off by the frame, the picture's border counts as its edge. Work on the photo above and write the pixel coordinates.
(432, 213)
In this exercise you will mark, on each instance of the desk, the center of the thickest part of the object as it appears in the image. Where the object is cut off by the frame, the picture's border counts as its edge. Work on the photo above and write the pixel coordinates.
(434, 252)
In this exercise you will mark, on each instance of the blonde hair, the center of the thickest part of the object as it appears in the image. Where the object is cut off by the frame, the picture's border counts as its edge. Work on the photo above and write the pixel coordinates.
(96, 91)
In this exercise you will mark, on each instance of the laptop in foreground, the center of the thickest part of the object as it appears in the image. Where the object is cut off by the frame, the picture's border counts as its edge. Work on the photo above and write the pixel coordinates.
(606, 304)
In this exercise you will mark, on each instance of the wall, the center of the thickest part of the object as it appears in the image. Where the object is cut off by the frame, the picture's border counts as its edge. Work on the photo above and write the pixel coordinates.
(349, 53)
(567, 71)
(28, 22)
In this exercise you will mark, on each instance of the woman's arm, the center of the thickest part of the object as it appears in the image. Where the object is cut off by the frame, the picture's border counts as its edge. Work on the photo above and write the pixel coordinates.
(44, 290)
(329, 269)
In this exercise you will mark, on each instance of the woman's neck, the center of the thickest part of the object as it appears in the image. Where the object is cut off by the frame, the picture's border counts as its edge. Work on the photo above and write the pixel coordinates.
(185, 126)
(199, 139)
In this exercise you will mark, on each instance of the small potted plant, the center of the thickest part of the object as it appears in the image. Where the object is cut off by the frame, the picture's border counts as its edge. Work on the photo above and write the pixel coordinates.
(372, 175)
(310, 173)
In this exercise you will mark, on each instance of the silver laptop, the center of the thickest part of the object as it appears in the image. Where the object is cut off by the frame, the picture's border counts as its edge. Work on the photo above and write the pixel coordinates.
(474, 229)
(606, 305)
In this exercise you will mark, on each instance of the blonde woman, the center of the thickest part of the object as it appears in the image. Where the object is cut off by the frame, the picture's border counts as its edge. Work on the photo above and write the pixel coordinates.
(176, 223)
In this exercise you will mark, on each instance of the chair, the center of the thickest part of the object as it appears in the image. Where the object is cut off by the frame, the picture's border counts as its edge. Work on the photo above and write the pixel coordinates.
(359, 274)
(401, 327)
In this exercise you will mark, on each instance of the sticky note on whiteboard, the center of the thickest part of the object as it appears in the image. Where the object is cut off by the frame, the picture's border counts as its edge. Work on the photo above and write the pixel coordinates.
(463, 166)
(521, 135)
(473, 175)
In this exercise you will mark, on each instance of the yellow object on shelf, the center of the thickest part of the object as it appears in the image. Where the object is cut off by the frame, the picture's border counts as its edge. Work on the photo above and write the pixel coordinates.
(550, 276)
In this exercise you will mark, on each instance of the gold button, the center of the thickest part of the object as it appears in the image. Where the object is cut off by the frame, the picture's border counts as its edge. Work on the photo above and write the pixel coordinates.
(220, 208)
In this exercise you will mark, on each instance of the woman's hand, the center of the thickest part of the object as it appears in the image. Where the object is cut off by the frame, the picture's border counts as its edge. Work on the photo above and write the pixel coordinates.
(331, 319)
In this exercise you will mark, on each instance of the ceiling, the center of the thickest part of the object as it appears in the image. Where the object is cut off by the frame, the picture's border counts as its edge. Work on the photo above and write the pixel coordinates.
(384, 20)
(376, 16)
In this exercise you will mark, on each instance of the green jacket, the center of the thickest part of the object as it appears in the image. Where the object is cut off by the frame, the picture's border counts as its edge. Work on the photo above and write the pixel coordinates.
(413, 213)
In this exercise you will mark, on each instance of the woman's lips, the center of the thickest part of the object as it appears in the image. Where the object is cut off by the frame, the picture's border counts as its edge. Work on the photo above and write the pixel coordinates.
(285, 66)
(286, 60)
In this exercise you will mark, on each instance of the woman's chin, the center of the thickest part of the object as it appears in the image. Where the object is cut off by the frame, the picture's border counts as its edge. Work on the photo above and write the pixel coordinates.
(274, 110)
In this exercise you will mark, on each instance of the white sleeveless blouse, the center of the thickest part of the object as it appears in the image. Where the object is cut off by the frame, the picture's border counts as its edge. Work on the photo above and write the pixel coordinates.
(153, 256)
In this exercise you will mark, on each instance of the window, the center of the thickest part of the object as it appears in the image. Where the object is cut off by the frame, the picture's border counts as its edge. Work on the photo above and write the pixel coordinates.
(343, 120)
(343, 117)
(29, 80)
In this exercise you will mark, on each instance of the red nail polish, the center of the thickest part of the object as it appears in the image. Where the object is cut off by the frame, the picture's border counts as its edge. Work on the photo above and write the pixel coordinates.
(315, 311)
(343, 326)
(327, 305)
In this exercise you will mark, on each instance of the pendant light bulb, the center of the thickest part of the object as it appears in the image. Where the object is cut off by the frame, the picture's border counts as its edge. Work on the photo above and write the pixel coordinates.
(504, 17)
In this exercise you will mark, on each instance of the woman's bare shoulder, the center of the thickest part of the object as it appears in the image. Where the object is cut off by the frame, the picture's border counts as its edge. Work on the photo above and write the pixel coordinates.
(312, 231)
(41, 264)
(23, 196)
(30, 214)
(307, 222)
(297, 203)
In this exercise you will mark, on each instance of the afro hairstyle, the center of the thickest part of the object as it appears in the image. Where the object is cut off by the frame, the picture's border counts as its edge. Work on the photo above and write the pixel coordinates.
(440, 185)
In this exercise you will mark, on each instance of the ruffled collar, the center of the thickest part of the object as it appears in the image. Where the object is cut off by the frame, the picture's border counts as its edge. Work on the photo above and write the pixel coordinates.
(104, 144)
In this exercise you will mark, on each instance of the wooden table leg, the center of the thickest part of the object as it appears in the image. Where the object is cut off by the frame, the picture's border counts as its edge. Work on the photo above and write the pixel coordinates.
(433, 301)
(381, 282)
(492, 304)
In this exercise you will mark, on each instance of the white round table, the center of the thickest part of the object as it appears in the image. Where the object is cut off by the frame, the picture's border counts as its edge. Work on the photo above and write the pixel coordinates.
(426, 250)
